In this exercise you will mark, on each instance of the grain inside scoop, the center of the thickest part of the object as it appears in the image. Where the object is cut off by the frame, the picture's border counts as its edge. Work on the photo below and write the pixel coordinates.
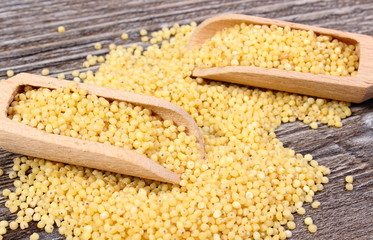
(20, 138)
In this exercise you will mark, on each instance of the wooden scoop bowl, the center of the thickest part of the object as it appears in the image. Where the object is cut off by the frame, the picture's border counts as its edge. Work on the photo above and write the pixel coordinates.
(20, 138)
(356, 88)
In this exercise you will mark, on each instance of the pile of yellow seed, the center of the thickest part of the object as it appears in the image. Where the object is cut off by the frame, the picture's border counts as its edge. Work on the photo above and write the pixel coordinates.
(249, 186)
(278, 47)
(72, 112)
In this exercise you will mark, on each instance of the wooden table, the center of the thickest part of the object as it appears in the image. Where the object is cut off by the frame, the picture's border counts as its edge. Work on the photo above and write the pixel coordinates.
(29, 42)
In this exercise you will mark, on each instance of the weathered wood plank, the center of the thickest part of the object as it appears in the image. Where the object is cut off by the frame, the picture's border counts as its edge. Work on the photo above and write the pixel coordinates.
(29, 42)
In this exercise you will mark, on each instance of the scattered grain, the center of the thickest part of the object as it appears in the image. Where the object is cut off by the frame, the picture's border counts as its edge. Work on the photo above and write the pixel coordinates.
(349, 179)
(10, 73)
(98, 46)
(61, 29)
(349, 187)
(45, 72)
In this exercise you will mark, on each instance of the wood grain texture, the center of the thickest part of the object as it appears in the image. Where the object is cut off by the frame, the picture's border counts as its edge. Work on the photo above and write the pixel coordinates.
(29, 42)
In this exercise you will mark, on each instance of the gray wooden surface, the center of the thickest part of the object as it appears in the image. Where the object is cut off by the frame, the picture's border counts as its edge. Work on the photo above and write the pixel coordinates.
(29, 42)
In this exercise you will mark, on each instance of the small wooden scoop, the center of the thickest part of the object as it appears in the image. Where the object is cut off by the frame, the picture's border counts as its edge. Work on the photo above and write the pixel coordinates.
(19, 138)
(356, 88)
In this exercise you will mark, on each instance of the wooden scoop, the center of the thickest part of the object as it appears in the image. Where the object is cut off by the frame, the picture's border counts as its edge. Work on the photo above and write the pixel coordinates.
(356, 88)
(20, 138)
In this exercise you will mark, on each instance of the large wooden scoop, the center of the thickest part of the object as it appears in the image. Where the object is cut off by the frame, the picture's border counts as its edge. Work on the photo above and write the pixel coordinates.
(19, 138)
(350, 88)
